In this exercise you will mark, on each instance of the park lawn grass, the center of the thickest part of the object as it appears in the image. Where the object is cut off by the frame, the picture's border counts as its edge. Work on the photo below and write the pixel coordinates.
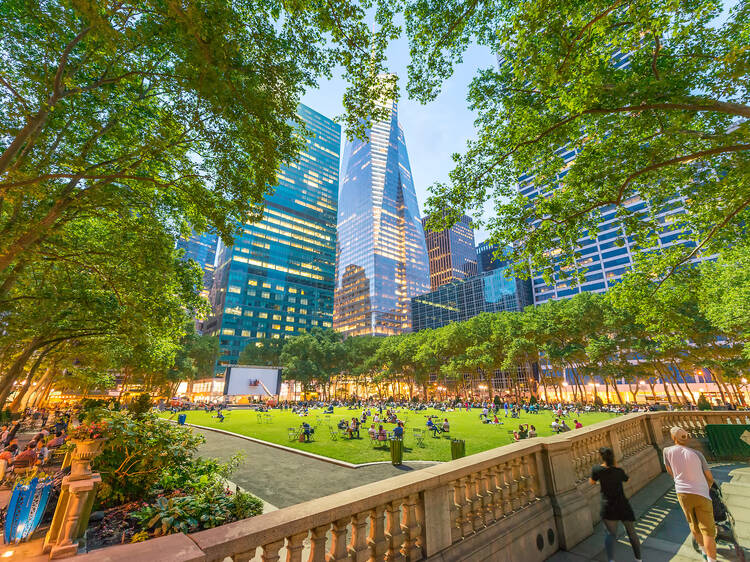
(464, 425)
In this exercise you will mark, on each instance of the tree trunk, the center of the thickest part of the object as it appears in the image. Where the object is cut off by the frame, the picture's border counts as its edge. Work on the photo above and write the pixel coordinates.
(15, 405)
(6, 385)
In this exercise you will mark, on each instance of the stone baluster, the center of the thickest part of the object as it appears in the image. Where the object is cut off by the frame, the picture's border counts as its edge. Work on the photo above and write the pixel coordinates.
(318, 544)
(411, 530)
(477, 501)
(376, 539)
(516, 484)
(459, 497)
(271, 551)
(393, 532)
(294, 547)
(488, 487)
(467, 526)
(339, 549)
(496, 479)
(529, 485)
(419, 510)
(507, 488)
(359, 550)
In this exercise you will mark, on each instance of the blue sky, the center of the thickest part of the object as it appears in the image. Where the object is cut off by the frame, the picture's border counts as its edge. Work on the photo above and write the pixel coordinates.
(433, 131)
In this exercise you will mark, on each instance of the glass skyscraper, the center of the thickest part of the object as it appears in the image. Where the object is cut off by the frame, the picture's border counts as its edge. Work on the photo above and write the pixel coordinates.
(381, 259)
(460, 300)
(486, 260)
(277, 279)
(451, 252)
(202, 249)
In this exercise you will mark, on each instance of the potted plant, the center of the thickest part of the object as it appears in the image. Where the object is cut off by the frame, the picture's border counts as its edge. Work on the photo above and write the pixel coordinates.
(88, 438)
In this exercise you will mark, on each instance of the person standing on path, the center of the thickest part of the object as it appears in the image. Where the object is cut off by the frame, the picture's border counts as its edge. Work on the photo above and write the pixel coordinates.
(692, 481)
(615, 506)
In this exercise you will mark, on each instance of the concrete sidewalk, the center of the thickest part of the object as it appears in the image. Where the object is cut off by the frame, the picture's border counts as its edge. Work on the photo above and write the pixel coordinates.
(282, 478)
(661, 525)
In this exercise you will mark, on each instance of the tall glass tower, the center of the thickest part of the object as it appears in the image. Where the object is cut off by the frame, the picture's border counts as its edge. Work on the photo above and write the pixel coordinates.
(381, 259)
(276, 280)
(202, 249)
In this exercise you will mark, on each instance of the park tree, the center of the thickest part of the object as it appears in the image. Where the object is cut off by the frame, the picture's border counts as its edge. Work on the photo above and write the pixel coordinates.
(93, 295)
(263, 352)
(632, 108)
(181, 111)
(313, 359)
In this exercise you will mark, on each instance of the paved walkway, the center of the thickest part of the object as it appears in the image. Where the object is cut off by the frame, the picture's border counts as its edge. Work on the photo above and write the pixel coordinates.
(661, 526)
(282, 478)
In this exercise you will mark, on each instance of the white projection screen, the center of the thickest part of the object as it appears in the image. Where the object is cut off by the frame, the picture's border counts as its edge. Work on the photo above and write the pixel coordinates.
(248, 380)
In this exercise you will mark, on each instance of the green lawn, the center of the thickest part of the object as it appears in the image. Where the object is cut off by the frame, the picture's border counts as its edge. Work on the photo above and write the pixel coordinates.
(464, 425)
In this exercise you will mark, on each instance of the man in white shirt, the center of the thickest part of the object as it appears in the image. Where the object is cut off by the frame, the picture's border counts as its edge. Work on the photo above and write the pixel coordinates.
(692, 480)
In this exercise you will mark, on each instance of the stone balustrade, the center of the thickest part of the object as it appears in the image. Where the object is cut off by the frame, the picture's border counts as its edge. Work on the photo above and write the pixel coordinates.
(531, 497)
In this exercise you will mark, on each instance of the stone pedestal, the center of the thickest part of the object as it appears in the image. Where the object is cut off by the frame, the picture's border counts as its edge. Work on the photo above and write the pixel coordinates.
(73, 509)
(71, 516)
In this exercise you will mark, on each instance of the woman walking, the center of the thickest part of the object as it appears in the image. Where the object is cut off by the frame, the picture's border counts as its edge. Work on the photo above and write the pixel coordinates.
(615, 506)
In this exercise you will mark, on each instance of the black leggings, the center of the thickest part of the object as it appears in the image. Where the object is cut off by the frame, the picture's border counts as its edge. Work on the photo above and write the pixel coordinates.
(609, 540)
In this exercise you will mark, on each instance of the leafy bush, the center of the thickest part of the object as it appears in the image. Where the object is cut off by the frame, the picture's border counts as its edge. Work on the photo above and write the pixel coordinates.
(137, 454)
(209, 508)
(703, 403)
(140, 405)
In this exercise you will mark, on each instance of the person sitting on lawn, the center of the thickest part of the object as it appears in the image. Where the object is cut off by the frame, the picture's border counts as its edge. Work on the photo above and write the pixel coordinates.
(446, 426)
(496, 421)
(220, 415)
(353, 428)
(398, 431)
(532, 431)
(372, 431)
(564, 426)
(342, 424)
(555, 425)
(381, 434)
(578, 425)
(523, 431)
(432, 427)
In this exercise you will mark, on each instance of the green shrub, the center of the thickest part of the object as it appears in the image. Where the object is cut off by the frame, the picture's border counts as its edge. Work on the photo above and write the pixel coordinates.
(209, 508)
(703, 403)
(137, 454)
(532, 400)
(140, 405)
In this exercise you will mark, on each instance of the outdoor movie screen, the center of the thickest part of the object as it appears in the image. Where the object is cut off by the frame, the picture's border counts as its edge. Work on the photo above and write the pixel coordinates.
(242, 380)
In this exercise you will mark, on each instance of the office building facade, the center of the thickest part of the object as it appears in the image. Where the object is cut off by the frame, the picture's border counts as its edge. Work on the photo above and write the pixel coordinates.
(277, 279)
(201, 248)
(458, 301)
(381, 259)
(451, 252)
(486, 260)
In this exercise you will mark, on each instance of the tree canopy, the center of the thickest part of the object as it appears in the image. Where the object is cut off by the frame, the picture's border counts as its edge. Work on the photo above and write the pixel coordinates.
(633, 108)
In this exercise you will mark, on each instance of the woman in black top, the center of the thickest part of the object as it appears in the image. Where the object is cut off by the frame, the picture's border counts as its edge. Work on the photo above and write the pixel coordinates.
(615, 506)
